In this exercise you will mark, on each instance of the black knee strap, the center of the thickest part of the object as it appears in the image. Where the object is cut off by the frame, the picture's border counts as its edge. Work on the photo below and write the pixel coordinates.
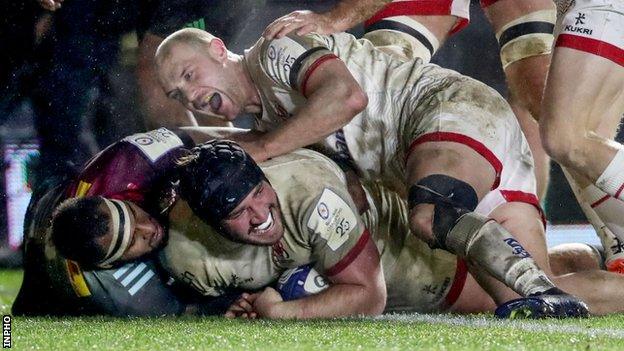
(451, 197)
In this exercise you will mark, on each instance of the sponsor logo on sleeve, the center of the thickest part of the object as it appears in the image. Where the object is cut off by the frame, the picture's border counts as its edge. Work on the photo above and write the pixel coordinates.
(332, 219)
(281, 55)
(156, 143)
(579, 26)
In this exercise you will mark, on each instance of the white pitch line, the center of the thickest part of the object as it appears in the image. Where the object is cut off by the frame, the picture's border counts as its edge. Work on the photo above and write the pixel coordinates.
(485, 322)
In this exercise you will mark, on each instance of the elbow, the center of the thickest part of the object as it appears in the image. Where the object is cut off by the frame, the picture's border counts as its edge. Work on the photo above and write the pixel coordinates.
(351, 101)
(356, 100)
(376, 303)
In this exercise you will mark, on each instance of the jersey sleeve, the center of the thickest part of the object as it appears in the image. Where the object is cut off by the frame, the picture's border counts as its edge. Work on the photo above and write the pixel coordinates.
(290, 60)
(134, 289)
(189, 262)
(337, 233)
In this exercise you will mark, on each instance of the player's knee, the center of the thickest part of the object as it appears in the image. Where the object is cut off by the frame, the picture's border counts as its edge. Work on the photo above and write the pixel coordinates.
(421, 222)
(565, 147)
(451, 198)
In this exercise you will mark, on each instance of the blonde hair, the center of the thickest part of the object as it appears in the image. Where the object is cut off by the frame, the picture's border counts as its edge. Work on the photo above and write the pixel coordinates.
(197, 38)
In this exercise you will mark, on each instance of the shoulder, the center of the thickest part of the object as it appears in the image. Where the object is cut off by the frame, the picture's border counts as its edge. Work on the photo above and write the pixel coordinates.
(304, 168)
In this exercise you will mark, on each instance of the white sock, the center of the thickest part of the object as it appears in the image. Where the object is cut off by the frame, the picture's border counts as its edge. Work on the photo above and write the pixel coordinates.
(606, 214)
(611, 181)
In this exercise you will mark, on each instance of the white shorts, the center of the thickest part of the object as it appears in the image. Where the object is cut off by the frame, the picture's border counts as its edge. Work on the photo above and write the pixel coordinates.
(470, 113)
(595, 27)
(396, 16)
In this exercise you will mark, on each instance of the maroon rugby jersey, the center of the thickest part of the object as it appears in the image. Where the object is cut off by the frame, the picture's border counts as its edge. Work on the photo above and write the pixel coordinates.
(131, 168)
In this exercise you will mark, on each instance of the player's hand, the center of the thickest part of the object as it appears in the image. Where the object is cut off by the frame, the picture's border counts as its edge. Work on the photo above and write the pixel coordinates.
(50, 5)
(253, 143)
(552, 303)
(267, 303)
(242, 307)
(302, 22)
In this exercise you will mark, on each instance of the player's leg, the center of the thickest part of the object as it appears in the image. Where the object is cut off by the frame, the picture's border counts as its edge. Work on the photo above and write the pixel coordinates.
(599, 289)
(606, 214)
(410, 29)
(464, 145)
(530, 128)
(584, 91)
(575, 257)
(524, 29)
(462, 176)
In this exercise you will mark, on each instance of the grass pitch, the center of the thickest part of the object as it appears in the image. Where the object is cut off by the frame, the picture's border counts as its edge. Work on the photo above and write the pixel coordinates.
(392, 332)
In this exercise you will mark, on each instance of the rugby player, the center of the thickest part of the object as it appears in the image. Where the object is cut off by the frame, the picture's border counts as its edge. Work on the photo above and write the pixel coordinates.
(211, 264)
(524, 29)
(426, 131)
(135, 169)
(295, 210)
(582, 107)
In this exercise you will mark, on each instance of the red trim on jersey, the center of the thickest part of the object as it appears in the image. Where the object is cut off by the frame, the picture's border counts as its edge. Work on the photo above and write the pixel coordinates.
(412, 8)
(312, 68)
(466, 140)
(350, 256)
(418, 8)
(461, 273)
(521, 196)
(599, 201)
(592, 46)
(617, 194)
(486, 3)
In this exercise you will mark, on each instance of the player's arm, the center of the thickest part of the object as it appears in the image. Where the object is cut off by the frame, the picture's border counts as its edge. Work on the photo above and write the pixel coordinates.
(203, 134)
(346, 14)
(334, 98)
(356, 289)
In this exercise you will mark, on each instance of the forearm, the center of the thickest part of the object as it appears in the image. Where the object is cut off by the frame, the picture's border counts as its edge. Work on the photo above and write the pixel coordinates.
(349, 13)
(204, 134)
(339, 300)
(325, 112)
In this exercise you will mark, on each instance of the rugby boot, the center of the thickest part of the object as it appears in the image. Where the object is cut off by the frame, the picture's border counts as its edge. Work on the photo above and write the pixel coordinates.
(552, 303)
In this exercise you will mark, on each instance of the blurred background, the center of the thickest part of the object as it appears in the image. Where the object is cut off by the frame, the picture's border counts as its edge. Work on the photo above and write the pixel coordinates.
(42, 121)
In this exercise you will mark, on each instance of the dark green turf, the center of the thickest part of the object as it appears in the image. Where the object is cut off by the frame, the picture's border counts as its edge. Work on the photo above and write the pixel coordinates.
(400, 333)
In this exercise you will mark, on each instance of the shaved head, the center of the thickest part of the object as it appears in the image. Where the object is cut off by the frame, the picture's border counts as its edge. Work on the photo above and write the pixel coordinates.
(196, 38)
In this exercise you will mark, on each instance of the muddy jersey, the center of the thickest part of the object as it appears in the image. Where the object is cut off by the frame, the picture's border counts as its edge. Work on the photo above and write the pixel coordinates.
(418, 278)
(408, 103)
(320, 221)
(310, 189)
(130, 169)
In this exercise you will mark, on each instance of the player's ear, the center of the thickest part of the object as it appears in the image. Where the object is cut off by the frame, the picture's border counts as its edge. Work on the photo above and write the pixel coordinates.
(217, 49)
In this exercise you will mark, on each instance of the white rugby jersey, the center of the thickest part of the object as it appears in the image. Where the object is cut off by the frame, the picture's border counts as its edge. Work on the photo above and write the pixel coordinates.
(314, 205)
(321, 225)
(395, 88)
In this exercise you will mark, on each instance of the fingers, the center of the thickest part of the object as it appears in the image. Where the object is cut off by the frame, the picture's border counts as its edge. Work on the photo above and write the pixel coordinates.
(309, 28)
(244, 305)
(297, 20)
(242, 308)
